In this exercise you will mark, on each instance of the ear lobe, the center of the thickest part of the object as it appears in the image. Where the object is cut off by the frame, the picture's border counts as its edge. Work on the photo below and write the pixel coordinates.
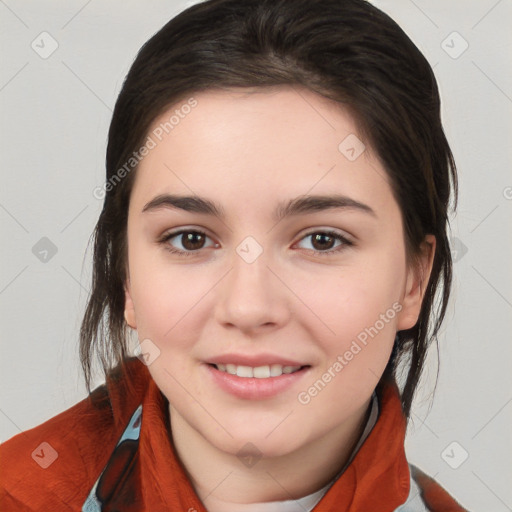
(416, 284)
(129, 309)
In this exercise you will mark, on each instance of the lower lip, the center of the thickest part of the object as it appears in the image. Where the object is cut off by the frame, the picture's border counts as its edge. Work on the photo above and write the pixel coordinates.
(251, 388)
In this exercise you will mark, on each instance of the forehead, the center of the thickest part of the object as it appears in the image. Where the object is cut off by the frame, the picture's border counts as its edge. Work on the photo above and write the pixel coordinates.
(259, 111)
(256, 143)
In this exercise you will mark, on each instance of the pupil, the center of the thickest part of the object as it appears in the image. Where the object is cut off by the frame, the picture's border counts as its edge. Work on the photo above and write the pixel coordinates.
(321, 237)
(189, 241)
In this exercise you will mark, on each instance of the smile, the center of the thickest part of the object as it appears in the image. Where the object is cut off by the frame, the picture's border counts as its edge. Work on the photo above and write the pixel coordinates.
(258, 372)
(255, 382)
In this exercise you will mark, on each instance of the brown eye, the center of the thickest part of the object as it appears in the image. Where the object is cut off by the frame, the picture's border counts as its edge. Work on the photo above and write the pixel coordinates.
(191, 241)
(324, 242)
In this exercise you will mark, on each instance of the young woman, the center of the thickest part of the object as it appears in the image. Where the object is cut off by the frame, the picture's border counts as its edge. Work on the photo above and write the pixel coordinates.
(274, 229)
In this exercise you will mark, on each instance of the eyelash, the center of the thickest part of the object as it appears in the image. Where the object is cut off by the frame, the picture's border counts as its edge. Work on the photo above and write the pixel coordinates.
(345, 242)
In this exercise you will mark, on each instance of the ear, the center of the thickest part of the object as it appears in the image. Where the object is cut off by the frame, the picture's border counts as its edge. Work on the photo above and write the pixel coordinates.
(416, 284)
(129, 309)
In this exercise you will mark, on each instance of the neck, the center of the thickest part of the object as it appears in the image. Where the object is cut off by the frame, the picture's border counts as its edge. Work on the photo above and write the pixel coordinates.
(219, 477)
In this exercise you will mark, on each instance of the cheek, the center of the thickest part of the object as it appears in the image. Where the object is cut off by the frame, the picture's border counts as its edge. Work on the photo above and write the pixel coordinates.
(362, 316)
(355, 298)
(359, 311)
(162, 293)
(162, 305)
(172, 302)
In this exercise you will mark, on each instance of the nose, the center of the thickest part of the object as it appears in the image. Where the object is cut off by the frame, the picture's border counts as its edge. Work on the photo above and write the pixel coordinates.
(253, 297)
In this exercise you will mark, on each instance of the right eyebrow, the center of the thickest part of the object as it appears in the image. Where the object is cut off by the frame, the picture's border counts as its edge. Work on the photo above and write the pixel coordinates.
(193, 204)
(297, 206)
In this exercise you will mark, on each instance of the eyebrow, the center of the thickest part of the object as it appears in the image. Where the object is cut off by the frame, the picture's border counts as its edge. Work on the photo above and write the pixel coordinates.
(297, 206)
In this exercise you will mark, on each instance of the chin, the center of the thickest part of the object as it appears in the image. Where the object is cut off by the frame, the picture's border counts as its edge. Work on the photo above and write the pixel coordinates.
(255, 443)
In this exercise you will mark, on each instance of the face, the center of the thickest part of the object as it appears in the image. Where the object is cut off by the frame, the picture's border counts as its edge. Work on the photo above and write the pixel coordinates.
(289, 257)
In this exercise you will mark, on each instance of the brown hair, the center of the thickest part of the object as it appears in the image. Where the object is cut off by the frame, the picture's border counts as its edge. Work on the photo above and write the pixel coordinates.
(345, 50)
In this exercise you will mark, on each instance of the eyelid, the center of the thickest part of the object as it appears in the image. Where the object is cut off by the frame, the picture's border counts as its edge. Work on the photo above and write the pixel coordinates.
(328, 230)
(345, 239)
(164, 240)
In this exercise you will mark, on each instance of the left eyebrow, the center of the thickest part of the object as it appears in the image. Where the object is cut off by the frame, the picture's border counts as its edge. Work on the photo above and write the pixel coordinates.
(312, 204)
(297, 206)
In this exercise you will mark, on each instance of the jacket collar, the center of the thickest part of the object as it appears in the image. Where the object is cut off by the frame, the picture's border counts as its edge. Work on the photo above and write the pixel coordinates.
(379, 472)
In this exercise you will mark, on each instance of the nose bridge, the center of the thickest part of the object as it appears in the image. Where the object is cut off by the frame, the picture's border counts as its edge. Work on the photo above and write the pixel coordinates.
(251, 295)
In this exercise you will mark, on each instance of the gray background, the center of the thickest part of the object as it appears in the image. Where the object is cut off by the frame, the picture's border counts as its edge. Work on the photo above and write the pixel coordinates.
(55, 116)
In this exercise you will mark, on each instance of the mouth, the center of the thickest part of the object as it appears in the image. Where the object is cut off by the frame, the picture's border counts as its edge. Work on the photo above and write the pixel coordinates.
(256, 382)
(257, 372)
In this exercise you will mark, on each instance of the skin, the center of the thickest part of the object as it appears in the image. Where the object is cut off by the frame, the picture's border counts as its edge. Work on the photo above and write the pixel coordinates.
(248, 151)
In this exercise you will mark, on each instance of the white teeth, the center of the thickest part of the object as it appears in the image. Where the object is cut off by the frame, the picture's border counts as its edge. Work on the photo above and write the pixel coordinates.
(262, 372)
(244, 371)
(276, 370)
(259, 372)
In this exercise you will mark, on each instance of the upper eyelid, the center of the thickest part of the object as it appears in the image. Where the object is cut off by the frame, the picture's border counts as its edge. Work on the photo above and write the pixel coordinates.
(341, 233)
(171, 234)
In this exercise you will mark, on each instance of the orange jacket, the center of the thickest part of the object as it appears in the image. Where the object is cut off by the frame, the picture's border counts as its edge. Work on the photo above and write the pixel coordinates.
(117, 455)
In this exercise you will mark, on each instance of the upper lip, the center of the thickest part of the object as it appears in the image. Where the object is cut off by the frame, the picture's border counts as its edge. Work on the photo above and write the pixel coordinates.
(254, 360)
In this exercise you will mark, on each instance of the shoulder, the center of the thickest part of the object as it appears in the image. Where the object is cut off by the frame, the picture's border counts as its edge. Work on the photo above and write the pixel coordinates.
(434, 497)
(49, 466)
(45, 465)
